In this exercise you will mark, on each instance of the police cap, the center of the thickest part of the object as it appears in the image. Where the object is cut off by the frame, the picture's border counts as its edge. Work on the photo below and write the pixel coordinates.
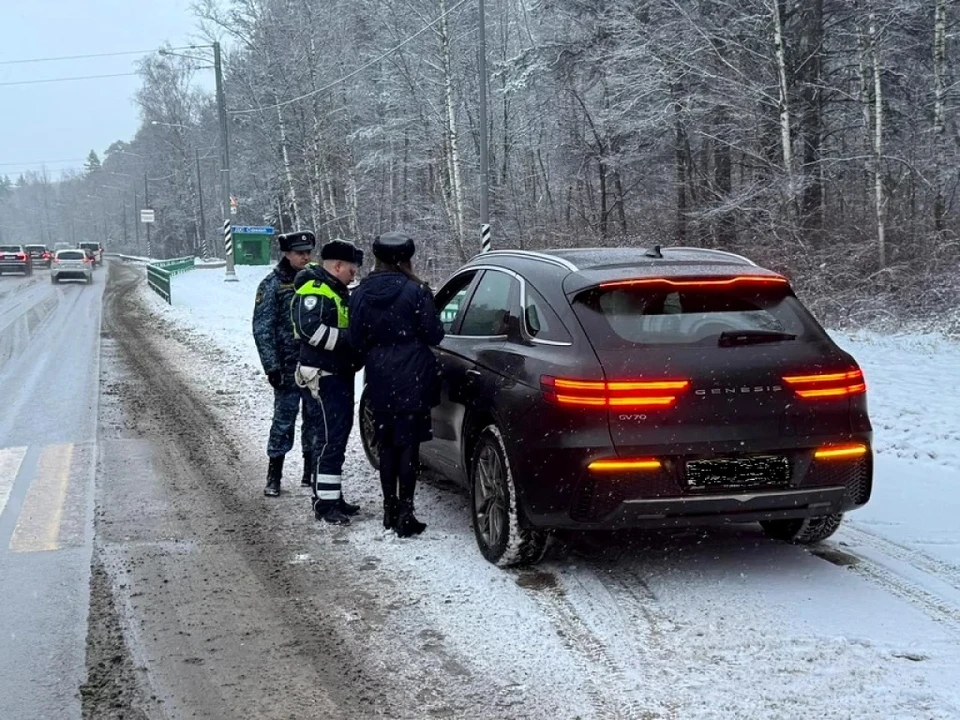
(394, 248)
(300, 241)
(342, 250)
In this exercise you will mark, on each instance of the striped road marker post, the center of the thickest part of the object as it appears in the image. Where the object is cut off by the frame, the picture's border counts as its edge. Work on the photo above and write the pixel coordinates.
(485, 238)
(231, 275)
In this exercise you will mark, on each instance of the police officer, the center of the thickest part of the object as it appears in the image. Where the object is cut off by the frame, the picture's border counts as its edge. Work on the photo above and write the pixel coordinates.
(327, 367)
(279, 351)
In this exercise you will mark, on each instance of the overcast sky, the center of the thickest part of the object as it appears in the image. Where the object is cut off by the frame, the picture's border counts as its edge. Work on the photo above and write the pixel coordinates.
(65, 120)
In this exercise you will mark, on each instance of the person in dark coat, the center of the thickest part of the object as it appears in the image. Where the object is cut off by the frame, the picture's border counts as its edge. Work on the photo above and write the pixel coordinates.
(279, 350)
(393, 324)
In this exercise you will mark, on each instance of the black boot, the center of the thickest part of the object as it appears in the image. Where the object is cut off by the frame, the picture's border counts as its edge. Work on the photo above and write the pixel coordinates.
(307, 479)
(347, 508)
(390, 512)
(274, 473)
(329, 511)
(407, 524)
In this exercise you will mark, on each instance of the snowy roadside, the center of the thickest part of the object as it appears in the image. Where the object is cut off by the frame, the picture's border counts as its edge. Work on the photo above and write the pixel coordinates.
(681, 626)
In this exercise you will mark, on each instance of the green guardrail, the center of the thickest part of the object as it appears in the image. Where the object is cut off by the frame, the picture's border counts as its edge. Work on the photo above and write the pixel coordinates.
(159, 273)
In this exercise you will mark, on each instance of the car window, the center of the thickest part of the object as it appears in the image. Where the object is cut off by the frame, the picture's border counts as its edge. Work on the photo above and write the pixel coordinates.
(70, 255)
(542, 322)
(10, 248)
(622, 317)
(450, 299)
(490, 305)
(36, 247)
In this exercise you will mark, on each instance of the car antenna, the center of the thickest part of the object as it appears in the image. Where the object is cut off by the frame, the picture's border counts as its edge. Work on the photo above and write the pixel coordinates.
(654, 252)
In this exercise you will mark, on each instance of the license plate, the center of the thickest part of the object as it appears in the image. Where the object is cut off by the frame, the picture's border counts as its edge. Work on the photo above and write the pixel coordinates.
(738, 473)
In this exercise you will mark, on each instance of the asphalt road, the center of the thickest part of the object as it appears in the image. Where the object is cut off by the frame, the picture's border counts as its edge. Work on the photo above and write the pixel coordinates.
(49, 367)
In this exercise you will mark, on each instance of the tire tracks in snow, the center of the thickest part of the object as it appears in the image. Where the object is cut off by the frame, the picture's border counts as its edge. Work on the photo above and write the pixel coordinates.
(620, 596)
(937, 607)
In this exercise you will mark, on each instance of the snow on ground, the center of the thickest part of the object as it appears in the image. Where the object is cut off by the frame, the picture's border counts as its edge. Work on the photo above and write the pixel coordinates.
(700, 624)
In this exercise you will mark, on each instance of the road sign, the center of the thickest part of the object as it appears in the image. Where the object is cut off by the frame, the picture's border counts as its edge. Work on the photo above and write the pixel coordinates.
(147, 215)
(252, 230)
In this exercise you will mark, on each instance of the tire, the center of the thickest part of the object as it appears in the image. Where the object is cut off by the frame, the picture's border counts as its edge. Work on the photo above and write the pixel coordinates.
(28, 272)
(803, 532)
(54, 280)
(90, 279)
(498, 525)
(370, 448)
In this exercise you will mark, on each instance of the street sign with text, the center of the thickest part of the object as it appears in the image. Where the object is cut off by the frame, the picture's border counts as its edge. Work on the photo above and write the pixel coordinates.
(147, 215)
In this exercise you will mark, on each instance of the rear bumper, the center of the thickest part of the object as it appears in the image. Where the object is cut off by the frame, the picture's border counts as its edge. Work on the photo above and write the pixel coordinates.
(714, 509)
(71, 274)
(14, 267)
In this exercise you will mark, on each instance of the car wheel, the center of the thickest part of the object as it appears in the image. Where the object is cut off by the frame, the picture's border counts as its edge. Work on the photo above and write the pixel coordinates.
(54, 279)
(803, 532)
(90, 279)
(368, 431)
(28, 272)
(497, 522)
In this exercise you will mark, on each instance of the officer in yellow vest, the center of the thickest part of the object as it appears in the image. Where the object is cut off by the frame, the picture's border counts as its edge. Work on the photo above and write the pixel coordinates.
(326, 369)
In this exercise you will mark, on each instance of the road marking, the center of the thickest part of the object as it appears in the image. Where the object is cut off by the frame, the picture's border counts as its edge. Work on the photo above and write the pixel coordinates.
(38, 528)
(10, 461)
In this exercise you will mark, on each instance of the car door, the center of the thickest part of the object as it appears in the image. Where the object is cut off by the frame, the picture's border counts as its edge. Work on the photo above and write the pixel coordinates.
(467, 358)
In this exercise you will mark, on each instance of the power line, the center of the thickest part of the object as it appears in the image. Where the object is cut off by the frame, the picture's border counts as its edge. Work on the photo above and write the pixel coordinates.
(41, 162)
(74, 57)
(359, 70)
(65, 79)
(91, 55)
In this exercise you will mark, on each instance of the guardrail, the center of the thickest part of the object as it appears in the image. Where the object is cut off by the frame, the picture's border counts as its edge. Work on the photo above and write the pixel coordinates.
(159, 273)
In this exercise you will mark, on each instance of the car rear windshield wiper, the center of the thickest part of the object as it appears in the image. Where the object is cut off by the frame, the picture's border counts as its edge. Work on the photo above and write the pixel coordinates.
(730, 338)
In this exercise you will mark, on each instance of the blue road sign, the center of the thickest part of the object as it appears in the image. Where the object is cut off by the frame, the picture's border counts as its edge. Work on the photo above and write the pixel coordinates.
(252, 230)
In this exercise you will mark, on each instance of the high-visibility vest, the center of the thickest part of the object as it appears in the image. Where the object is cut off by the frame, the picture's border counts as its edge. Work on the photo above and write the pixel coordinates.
(313, 288)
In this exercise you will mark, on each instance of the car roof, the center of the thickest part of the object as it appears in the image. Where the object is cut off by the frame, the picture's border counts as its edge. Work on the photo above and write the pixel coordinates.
(63, 250)
(35, 245)
(580, 268)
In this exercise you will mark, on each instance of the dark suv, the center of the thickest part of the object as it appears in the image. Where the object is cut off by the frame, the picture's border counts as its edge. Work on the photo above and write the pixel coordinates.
(14, 258)
(623, 388)
(39, 254)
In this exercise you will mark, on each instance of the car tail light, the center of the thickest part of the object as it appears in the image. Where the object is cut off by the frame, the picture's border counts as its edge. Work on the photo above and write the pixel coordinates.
(828, 385)
(624, 464)
(700, 283)
(618, 394)
(46, 256)
(841, 452)
(22, 256)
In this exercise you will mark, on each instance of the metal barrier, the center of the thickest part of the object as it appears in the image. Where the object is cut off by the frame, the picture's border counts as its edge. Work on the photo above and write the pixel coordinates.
(159, 273)
(159, 281)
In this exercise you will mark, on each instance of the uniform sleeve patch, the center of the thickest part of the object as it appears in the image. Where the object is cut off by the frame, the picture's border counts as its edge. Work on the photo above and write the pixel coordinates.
(310, 302)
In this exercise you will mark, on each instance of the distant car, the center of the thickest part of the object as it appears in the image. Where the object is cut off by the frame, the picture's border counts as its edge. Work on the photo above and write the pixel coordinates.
(608, 388)
(40, 255)
(63, 246)
(15, 258)
(96, 251)
(75, 264)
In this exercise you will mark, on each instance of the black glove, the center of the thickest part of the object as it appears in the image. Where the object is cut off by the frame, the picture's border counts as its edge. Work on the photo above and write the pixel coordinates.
(276, 378)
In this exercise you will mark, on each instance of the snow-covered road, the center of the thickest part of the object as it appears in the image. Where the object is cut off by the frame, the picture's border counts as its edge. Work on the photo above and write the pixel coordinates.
(699, 624)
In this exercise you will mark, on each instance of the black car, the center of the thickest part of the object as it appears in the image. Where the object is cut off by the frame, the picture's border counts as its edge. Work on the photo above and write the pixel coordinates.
(39, 255)
(622, 388)
(95, 250)
(15, 258)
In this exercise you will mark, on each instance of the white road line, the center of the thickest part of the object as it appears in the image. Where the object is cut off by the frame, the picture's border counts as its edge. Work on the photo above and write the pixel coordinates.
(10, 461)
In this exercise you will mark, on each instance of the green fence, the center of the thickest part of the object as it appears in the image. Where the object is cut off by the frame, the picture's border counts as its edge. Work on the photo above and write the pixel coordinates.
(160, 272)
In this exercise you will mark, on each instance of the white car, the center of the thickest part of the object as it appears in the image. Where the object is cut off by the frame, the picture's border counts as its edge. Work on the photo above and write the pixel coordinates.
(71, 265)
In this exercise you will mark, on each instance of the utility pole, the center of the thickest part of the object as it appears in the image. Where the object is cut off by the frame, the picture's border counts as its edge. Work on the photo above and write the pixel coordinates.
(123, 200)
(136, 217)
(203, 224)
(146, 204)
(484, 168)
(231, 275)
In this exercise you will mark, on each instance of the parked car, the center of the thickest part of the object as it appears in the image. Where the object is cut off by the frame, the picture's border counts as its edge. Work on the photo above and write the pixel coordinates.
(96, 251)
(602, 389)
(15, 258)
(75, 264)
(40, 255)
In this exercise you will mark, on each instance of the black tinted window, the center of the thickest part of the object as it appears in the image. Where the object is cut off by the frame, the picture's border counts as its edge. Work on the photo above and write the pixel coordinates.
(450, 299)
(490, 305)
(541, 321)
(10, 248)
(630, 315)
(71, 255)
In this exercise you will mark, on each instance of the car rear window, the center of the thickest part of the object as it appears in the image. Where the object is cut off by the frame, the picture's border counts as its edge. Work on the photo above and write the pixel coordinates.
(623, 316)
(71, 255)
(10, 248)
(36, 247)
